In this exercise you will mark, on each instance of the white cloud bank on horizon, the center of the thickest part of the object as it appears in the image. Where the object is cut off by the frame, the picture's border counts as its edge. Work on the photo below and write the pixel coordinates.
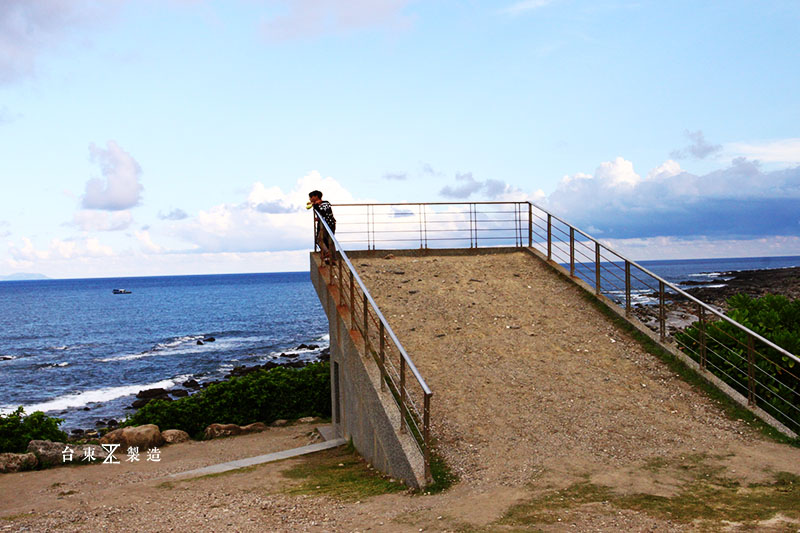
(268, 219)
(778, 151)
(737, 202)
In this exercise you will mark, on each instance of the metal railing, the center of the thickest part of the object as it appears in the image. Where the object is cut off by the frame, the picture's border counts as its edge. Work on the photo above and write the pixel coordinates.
(410, 393)
(765, 375)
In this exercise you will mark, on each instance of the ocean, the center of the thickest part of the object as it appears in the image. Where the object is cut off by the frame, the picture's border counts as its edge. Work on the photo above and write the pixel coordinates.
(75, 350)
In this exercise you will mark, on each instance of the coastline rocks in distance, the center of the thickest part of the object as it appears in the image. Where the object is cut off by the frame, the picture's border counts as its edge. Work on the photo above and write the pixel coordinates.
(174, 436)
(307, 347)
(143, 437)
(16, 462)
(228, 430)
(151, 393)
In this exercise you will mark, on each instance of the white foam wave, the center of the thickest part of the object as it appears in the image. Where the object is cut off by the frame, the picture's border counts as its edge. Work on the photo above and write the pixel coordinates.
(80, 399)
(7, 357)
(55, 365)
(157, 350)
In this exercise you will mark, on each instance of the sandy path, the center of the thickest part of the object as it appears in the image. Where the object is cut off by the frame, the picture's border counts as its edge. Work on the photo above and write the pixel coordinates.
(534, 391)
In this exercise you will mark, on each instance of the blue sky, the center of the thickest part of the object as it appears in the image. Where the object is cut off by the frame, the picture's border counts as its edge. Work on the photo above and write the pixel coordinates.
(144, 137)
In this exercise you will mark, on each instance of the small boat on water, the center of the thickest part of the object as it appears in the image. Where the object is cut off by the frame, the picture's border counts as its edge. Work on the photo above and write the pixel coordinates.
(121, 291)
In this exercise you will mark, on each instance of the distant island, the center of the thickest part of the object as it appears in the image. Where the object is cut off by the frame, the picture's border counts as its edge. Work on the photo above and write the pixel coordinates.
(22, 276)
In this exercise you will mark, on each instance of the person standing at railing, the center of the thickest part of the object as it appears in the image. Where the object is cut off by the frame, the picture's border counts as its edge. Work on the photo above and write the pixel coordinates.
(323, 210)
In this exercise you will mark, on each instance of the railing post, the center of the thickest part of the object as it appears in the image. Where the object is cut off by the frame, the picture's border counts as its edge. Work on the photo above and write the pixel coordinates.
(549, 237)
(597, 268)
(352, 302)
(383, 356)
(402, 395)
(426, 434)
(572, 251)
(366, 322)
(751, 371)
(530, 225)
(341, 282)
(627, 288)
(702, 328)
(661, 312)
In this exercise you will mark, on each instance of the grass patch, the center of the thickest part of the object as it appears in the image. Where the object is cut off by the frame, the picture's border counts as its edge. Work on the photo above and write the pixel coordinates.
(730, 408)
(706, 498)
(443, 477)
(12, 517)
(340, 474)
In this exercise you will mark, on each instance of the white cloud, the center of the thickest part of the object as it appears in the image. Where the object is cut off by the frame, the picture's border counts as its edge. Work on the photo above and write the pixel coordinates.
(779, 151)
(526, 5)
(120, 187)
(88, 220)
(28, 27)
(175, 214)
(269, 219)
(735, 202)
(654, 248)
(147, 243)
(28, 255)
(313, 18)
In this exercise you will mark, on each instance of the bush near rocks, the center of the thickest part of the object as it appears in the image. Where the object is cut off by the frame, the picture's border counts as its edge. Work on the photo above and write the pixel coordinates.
(261, 396)
(18, 429)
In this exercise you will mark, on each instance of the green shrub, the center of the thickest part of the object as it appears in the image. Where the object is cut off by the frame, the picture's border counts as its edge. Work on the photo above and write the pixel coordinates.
(261, 396)
(17, 430)
(777, 383)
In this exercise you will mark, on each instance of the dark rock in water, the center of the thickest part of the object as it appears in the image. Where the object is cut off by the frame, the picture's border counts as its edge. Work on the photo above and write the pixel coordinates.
(100, 423)
(289, 355)
(209, 339)
(179, 393)
(325, 356)
(5, 358)
(77, 432)
(296, 364)
(86, 409)
(151, 393)
(140, 403)
(200, 343)
(191, 384)
(112, 423)
(209, 383)
(307, 347)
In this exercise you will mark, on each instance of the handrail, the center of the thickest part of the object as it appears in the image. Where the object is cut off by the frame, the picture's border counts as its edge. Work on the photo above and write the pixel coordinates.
(677, 289)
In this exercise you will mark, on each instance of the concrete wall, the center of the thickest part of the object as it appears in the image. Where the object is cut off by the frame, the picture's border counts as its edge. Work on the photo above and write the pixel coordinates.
(360, 410)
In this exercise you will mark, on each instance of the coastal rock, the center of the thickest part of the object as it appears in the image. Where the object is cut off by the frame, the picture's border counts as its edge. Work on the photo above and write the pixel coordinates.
(227, 430)
(91, 434)
(143, 437)
(222, 430)
(307, 347)
(140, 403)
(48, 453)
(112, 423)
(174, 436)
(191, 384)
(15, 462)
(279, 423)
(255, 427)
(151, 393)
(209, 339)
(179, 393)
(308, 419)
(200, 343)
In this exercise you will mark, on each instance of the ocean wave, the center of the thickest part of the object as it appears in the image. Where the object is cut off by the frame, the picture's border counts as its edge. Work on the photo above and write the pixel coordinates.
(83, 398)
(158, 349)
(53, 365)
(7, 357)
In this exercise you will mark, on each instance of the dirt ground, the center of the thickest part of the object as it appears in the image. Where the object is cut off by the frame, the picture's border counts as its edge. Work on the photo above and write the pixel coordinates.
(553, 419)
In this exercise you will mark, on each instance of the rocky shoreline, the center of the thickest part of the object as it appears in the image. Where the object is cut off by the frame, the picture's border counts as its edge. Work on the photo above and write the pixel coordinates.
(681, 311)
(192, 386)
